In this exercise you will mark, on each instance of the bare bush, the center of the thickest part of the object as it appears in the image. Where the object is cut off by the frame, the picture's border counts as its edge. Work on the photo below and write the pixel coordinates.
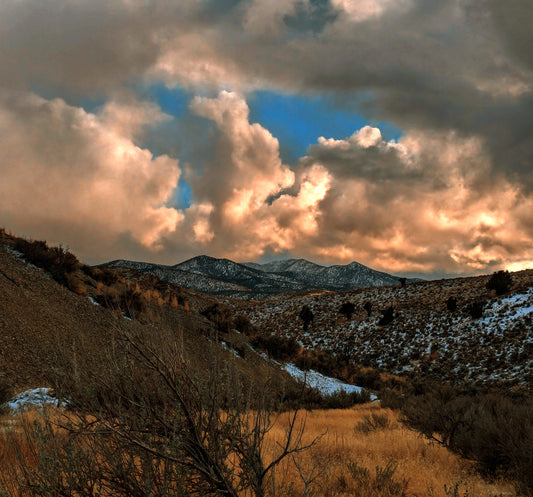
(388, 316)
(493, 430)
(150, 420)
(347, 309)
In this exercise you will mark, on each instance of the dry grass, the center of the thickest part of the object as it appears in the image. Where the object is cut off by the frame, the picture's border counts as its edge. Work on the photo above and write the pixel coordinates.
(14, 448)
(426, 467)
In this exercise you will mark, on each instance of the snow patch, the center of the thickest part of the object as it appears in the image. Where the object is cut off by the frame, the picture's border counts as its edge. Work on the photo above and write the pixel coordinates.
(324, 384)
(230, 349)
(35, 397)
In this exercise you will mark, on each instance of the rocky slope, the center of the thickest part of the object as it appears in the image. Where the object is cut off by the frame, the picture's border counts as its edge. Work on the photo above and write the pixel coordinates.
(42, 322)
(424, 337)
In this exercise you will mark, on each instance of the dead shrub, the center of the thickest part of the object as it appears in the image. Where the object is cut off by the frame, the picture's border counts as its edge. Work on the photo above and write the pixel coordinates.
(373, 422)
(57, 261)
(383, 484)
(75, 283)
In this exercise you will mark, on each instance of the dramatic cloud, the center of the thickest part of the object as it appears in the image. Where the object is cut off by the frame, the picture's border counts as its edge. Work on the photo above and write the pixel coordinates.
(453, 194)
(426, 204)
(70, 175)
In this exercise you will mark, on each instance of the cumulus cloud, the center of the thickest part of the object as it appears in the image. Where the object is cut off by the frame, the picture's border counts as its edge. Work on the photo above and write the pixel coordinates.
(453, 194)
(246, 173)
(426, 203)
(69, 175)
(362, 10)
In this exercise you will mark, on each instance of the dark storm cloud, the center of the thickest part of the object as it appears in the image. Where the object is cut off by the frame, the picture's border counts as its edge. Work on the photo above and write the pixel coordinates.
(313, 16)
(513, 21)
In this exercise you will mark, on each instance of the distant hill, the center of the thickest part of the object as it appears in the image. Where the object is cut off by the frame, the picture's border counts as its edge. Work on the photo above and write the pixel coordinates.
(433, 330)
(252, 280)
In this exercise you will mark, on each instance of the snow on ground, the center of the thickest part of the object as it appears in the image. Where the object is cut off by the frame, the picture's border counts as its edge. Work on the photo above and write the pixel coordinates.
(324, 384)
(509, 309)
(425, 336)
(233, 351)
(30, 398)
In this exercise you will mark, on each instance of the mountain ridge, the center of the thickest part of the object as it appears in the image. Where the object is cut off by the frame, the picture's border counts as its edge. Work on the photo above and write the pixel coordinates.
(255, 280)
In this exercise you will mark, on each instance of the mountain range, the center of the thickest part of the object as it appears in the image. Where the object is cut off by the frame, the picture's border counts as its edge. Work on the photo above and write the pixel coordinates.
(253, 280)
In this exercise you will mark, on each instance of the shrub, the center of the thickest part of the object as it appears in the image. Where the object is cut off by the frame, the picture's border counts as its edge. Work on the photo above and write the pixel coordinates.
(383, 484)
(373, 422)
(501, 282)
(319, 360)
(278, 347)
(306, 315)
(368, 378)
(57, 261)
(368, 308)
(221, 316)
(132, 303)
(347, 309)
(451, 304)
(103, 274)
(243, 325)
(75, 284)
(490, 429)
(312, 398)
(476, 309)
(388, 316)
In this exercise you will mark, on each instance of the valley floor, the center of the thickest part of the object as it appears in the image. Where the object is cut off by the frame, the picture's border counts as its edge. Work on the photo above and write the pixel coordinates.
(363, 451)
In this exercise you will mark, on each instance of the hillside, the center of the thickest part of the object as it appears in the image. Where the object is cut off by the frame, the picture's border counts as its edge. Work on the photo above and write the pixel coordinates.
(38, 317)
(139, 353)
(44, 324)
(257, 281)
(424, 337)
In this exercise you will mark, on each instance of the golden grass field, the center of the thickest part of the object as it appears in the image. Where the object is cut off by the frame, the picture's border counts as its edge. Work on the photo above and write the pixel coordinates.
(324, 469)
(426, 466)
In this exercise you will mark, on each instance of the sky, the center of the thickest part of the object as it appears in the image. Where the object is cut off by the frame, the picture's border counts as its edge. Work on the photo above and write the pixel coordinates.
(396, 133)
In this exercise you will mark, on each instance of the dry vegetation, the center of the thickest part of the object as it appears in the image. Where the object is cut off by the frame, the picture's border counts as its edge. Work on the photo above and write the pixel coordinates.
(422, 335)
(138, 379)
(342, 462)
(423, 468)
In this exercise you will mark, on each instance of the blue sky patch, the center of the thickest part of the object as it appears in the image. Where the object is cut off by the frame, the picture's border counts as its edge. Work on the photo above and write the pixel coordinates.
(297, 121)
(173, 101)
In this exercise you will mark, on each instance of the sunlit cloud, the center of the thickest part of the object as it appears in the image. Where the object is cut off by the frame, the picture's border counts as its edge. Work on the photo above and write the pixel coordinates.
(453, 194)
(66, 172)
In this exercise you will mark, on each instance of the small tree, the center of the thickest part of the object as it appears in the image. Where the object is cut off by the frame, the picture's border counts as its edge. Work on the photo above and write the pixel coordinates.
(388, 316)
(476, 309)
(403, 282)
(501, 282)
(347, 309)
(306, 315)
(451, 304)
